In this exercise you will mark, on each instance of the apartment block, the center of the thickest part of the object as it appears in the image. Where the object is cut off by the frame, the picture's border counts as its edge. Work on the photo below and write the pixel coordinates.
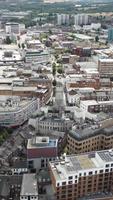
(40, 150)
(86, 175)
(87, 139)
(105, 67)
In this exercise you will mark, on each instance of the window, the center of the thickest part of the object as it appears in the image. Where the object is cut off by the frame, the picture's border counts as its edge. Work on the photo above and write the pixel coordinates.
(101, 171)
(63, 183)
(58, 184)
(70, 182)
(90, 173)
(70, 177)
(95, 172)
(112, 165)
(80, 174)
(85, 174)
(107, 165)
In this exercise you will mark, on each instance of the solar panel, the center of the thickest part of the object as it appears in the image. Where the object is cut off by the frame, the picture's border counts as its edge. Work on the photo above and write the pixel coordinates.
(106, 156)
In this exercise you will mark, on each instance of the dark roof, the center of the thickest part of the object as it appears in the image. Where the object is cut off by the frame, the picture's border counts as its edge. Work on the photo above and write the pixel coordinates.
(82, 134)
(20, 164)
(4, 186)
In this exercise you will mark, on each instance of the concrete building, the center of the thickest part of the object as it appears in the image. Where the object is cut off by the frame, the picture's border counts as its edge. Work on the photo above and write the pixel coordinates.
(12, 28)
(29, 188)
(39, 56)
(62, 19)
(10, 56)
(83, 176)
(110, 35)
(93, 106)
(40, 150)
(89, 138)
(105, 67)
(81, 19)
(14, 111)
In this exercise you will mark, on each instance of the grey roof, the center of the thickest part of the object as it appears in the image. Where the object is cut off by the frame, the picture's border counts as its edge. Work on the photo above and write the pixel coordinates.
(106, 156)
(20, 164)
(82, 134)
(29, 185)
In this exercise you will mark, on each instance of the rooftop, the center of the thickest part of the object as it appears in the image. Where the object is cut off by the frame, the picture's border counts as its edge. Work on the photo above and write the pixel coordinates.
(9, 103)
(82, 133)
(29, 185)
(74, 164)
(41, 142)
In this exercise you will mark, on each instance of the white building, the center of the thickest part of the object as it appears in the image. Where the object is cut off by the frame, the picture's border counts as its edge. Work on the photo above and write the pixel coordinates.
(62, 19)
(12, 27)
(14, 111)
(11, 55)
(81, 19)
(39, 56)
(41, 150)
(29, 189)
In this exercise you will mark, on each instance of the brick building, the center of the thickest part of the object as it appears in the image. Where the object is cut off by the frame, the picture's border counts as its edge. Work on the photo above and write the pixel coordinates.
(74, 177)
(89, 139)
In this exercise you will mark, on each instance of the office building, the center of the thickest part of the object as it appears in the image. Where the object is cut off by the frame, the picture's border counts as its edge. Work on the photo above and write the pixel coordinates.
(62, 19)
(87, 176)
(87, 138)
(110, 35)
(81, 19)
(12, 28)
(14, 111)
(40, 150)
(105, 67)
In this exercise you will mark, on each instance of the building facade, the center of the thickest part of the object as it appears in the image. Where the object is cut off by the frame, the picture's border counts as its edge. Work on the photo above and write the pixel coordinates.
(40, 150)
(85, 175)
(14, 112)
(89, 139)
(81, 19)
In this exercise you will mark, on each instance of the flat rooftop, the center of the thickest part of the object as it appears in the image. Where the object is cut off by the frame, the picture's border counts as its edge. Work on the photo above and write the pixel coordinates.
(75, 164)
(13, 103)
(29, 185)
(82, 133)
(41, 142)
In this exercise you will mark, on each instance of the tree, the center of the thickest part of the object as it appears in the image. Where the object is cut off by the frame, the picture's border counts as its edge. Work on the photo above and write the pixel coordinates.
(8, 40)
(60, 70)
(54, 82)
(96, 38)
(19, 46)
(54, 69)
(50, 32)
(23, 45)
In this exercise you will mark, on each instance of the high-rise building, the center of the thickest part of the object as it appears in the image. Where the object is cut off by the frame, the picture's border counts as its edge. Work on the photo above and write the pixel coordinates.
(105, 67)
(87, 176)
(110, 35)
(81, 19)
(12, 27)
(62, 19)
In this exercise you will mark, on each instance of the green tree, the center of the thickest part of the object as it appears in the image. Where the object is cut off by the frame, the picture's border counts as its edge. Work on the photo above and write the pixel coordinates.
(54, 82)
(60, 70)
(8, 40)
(54, 69)
(96, 38)
(23, 45)
(50, 32)
(19, 46)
